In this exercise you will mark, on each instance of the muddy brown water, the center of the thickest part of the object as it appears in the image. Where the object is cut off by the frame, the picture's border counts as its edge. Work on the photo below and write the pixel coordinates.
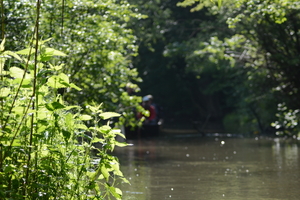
(211, 168)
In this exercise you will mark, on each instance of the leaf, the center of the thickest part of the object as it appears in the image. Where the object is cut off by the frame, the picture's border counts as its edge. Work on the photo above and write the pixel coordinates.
(54, 52)
(104, 129)
(95, 109)
(2, 45)
(63, 78)
(26, 51)
(59, 81)
(16, 72)
(114, 192)
(71, 107)
(13, 54)
(118, 191)
(54, 106)
(85, 117)
(219, 3)
(56, 67)
(81, 126)
(72, 85)
(121, 144)
(95, 140)
(116, 166)
(19, 110)
(4, 92)
(9, 168)
(66, 135)
(104, 172)
(124, 180)
(107, 115)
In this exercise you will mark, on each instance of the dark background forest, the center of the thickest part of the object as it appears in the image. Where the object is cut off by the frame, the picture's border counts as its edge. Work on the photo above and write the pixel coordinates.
(225, 68)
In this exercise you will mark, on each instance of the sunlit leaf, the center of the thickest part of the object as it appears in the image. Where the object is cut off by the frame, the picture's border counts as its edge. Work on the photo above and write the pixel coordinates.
(26, 51)
(121, 144)
(81, 126)
(219, 3)
(72, 85)
(19, 110)
(107, 115)
(54, 52)
(104, 172)
(114, 193)
(54, 106)
(95, 140)
(4, 92)
(85, 117)
(57, 82)
(118, 191)
(2, 45)
(16, 72)
(104, 129)
(13, 54)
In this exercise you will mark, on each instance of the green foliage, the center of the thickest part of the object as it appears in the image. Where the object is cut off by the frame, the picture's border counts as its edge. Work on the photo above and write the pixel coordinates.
(47, 150)
(201, 4)
(287, 121)
(95, 36)
(263, 47)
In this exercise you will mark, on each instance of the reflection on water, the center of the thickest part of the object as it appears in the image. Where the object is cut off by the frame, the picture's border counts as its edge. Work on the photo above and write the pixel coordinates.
(210, 168)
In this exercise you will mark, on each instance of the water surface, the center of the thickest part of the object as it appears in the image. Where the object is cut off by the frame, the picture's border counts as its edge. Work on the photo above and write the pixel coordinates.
(195, 168)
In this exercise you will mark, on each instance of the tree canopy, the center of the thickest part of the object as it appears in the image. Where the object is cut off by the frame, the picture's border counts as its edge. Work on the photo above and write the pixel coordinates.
(95, 36)
(235, 61)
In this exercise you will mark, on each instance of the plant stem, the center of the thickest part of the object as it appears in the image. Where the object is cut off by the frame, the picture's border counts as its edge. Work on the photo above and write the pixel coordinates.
(2, 20)
(33, 97)
(62, 18)
(2, 104)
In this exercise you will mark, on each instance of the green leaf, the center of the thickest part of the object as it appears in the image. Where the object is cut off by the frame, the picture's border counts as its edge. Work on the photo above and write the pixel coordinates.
(107, 115)
(219, 3)
(13, 54)
(59, 81)
(26, 51)
(4, 92)
(2, 45)
(81, 126)
(66, 135)
(95, 140)
(54, 106)
(121, 144)
(63, 78)
(17, 72)
(9, 168)
(54, 52)
(19, 110)
(104, 172)
(85, 117)
(104, 129)
(114, 192)
(72, 85)
(95, 109)
(71, 107)
(118, 191)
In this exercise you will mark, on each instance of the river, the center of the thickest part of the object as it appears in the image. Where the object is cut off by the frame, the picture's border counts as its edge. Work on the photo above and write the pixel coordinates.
(210, 168)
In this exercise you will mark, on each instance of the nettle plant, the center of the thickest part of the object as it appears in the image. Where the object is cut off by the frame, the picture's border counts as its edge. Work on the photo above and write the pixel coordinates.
(47, 150)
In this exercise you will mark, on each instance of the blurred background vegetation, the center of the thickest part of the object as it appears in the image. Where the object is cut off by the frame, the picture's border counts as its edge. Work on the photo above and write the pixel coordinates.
(229, 66)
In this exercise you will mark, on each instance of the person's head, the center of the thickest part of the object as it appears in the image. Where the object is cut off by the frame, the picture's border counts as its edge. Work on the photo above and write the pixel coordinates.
(146, 101)
(150, 97)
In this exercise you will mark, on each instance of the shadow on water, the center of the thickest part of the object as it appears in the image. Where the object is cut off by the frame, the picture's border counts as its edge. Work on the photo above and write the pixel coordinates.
(194, 167)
